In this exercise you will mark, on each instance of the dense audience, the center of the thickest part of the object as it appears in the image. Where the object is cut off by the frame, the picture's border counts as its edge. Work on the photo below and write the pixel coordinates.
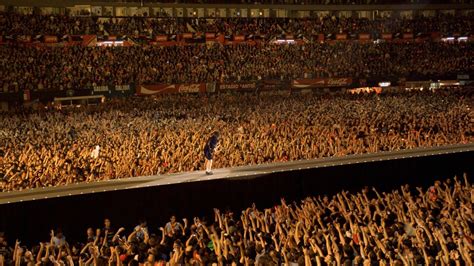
(83, 67)
(402, 227)
(331, 25)
(166, 134)
(34, 24)
(145, 136)
(302, 2)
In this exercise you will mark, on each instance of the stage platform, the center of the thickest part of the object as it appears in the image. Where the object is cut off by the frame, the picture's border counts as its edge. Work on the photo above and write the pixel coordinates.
(236, 173)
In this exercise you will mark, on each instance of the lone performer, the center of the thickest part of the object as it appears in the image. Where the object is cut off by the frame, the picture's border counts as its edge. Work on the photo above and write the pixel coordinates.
(209, 150)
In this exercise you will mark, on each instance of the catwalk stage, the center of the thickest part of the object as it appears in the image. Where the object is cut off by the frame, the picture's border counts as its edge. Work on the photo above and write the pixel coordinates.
(246, 172)
(30, 215)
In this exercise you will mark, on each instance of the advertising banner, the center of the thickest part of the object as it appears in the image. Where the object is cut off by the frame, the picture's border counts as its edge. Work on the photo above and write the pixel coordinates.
(100, 89)
(241, 86)
(364, 36)
(50, 39)
(407, 35)
(321, 83)
(171, 88)
(113, 90)
(273, 85)
(341, 37)
(161, 38)
(239, 38)
(387, 36)
(187, 35)
(210, 35)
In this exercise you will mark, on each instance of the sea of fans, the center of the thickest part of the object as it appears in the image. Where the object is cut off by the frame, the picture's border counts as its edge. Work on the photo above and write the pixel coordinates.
(84, 67)
(166, 134)
(401, 227)
(33, 24)
(148, 136)
(301, 2)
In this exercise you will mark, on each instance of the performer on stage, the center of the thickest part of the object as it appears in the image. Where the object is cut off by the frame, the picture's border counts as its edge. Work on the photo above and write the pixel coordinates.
(209, 150)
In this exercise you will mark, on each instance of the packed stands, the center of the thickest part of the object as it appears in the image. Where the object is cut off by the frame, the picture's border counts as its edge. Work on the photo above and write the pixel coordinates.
(19, 24)
(83, 67)
(300, 2)
(147, 136)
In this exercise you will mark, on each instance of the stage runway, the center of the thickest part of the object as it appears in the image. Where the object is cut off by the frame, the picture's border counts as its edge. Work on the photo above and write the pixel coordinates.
(225, 173)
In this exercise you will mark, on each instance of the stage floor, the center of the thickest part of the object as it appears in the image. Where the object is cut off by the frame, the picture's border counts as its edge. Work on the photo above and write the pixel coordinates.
(253, 171)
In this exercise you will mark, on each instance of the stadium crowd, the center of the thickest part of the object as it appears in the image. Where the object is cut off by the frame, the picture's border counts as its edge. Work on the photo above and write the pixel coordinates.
(303, 2)
(83, 67)
(401, 227)
(166, 134)
(148, 136)
(33, 24)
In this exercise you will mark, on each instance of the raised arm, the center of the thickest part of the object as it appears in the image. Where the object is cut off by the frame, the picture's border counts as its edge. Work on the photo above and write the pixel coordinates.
(15, 252)
(40, 252)
(117, 234)
(97, 237)
(163, 236)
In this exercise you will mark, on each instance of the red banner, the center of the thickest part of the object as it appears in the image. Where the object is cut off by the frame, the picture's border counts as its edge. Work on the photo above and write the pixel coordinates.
(407, 35)
(210, 35)
(50, 39)
(161, 38)
(237, 86)
(239, 38)
(171, 88)
(187, 35)
(387, 36)
(321, 83)
(364, 36)
(112, 38)
(341, 36)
